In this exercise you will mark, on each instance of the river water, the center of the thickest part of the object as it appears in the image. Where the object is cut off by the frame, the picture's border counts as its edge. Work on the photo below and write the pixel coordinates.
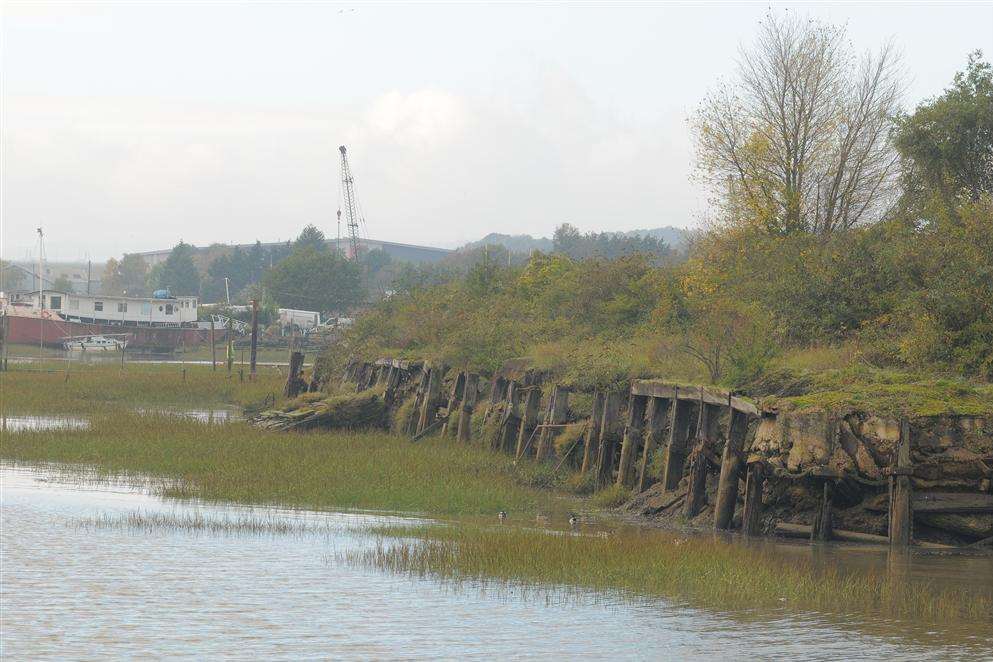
(77, 583)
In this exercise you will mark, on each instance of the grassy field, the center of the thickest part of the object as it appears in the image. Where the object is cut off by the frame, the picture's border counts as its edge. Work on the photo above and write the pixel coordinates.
(711, 572)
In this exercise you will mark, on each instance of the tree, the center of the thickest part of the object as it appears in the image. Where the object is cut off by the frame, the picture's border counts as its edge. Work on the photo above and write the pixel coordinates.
(312, 237)
(62, 284)
(947, 143)
(799, 142)
(129, 274)
(313, 280)
(178, 273)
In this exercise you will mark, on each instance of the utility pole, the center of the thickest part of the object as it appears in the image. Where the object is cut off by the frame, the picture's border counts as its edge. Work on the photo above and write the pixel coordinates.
(255, 338)
(89, 269)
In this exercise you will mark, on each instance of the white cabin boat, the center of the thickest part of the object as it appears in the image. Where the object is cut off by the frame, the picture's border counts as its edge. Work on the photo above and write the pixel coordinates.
(108, 343)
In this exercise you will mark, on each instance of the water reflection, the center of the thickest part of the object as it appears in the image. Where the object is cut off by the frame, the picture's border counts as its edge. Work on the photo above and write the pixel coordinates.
(87, 591)
(38, 423)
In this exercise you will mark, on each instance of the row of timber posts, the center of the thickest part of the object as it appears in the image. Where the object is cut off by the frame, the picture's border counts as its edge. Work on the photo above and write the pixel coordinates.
(555, 416)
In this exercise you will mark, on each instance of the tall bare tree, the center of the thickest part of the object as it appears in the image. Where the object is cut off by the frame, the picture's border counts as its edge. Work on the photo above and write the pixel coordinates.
(799, 142)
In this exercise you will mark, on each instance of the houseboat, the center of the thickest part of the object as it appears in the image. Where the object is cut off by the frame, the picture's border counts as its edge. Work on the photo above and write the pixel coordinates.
(156, 324)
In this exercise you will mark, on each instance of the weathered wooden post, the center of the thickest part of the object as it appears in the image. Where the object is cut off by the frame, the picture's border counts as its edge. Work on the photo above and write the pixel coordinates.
(590, 443)
(901, 515)
(293, 382)
(532, 405)
(451, 425)
(430, 402)
(696, 494)
(609, 424)
(510, 424)
(555, 416)
(213, 347)
(674, 455)
(498, 389)
(656, 416)
(633, 433)
(415, 411)
(727, 486)
(752, 512)
(821, 530)
(255, 339)
(468, 404)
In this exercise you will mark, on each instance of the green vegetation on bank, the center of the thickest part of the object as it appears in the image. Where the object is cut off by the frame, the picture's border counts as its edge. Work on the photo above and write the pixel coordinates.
(716, 573)
(877, 296)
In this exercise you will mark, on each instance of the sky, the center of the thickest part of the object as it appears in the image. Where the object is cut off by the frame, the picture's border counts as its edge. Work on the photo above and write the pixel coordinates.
(129, 126)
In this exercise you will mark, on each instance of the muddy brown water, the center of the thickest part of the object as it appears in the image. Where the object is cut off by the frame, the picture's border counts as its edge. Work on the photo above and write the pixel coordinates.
(85, 592)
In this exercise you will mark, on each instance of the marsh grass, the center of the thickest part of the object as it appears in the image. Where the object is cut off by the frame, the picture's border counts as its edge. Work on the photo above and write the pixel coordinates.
(709, 572)
(198, 523)
(91, 388)
(236, 462)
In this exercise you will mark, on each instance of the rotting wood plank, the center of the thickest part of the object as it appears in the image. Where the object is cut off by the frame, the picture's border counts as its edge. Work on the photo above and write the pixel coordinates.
(710, 396)
(952, 502)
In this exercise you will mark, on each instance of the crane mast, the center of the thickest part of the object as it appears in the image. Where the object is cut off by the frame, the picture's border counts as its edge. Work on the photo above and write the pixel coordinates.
(351, 212)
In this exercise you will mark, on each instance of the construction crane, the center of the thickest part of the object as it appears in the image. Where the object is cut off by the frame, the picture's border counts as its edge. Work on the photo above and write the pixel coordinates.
(351, 205)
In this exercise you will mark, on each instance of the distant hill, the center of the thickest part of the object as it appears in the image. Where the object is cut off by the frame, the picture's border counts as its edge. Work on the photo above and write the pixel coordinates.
(525, 243)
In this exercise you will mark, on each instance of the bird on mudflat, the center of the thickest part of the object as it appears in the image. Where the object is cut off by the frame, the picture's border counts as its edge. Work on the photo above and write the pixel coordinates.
(502, 515)
(573, 519)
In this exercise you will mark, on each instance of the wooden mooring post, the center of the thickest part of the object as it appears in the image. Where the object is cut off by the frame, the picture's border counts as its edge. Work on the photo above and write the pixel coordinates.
(532, 407)
(609, 433)
(674, 455)
(429, 405)
(633, 434)
(656, 416)
(901, 513)
(590, 445)
(696, 494)
(555, 416)
(823, 525)
(727, 485)
(752, 512)
(468, 404)
(294, 384)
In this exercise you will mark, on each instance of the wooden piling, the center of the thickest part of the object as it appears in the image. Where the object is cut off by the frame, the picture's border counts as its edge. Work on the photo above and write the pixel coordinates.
(656, 416)
(901, 513)
(498, 389)
(555, 416)
(451, 426)
(468, 404)
(429, 405)
(696, 494)
(674, 455)
(752, 513)
(823, 525)
(609, 432)
(727, 486)
(510, 424)
(294, 385)
(591, 442)
(410, 426)
(532, 406)
(633, 434)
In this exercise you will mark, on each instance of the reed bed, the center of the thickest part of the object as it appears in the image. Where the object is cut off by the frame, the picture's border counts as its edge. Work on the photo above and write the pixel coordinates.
(43, 387)
(198, 523)
(236, 462)
(709, 572)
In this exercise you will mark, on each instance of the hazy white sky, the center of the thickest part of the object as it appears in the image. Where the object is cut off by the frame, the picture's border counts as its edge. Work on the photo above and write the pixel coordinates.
(131, 125)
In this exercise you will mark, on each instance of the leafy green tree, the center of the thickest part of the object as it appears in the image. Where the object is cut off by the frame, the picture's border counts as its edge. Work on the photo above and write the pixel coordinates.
(947, 143)
(315, 280)
(178, 273)
(311, 237)
(129, 274)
